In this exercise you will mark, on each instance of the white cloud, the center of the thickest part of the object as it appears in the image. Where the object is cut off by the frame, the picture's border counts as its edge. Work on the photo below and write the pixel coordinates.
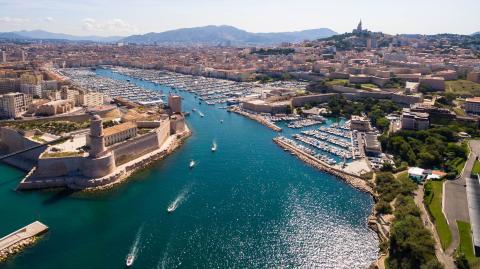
(13, 20)
(48, 19)
(113, 26)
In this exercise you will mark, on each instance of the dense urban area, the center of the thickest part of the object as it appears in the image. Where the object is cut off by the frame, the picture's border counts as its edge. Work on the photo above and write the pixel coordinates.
(395, 116)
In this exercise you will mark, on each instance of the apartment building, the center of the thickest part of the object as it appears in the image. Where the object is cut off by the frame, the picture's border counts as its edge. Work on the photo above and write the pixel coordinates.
(12, 105)
(414, 120)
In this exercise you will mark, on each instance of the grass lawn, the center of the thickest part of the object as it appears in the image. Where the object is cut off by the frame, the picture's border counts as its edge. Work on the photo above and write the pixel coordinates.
(340, 82)
(466, 244)
(476, 168)
(463, 87)
(60, 154)
(459, 111)
(459, 164)
(367, 86)
(433, 201)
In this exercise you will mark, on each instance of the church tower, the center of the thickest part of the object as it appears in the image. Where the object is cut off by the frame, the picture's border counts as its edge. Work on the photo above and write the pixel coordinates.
(359, 26)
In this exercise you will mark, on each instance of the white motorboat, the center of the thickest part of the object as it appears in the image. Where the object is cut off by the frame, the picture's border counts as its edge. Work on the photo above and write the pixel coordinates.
(192, 164)
(214, 147)
(130, 259)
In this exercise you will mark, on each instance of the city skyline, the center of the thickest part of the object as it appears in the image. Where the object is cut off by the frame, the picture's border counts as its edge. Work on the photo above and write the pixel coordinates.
(109, 18)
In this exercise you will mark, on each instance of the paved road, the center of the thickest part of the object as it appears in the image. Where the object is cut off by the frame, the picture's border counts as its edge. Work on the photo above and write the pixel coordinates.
(455, 204)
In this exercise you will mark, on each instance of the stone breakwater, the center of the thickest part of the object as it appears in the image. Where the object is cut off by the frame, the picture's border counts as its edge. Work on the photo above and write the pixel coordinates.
(20, 239)
(16, 248)
(257, 118)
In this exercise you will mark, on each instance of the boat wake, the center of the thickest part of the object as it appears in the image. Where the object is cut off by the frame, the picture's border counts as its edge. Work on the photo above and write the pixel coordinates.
(162, 263)
(181, 197)
(132, 254)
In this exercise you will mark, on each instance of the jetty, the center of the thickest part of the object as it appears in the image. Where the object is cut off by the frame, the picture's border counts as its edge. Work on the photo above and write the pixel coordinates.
(18, 240)
(351, 179)
(257, 118)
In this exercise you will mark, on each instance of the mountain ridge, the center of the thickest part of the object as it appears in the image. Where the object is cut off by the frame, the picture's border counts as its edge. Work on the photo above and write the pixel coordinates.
(225, 34)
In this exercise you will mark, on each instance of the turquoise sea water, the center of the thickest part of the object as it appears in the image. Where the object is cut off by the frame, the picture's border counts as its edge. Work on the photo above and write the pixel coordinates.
(248, 205)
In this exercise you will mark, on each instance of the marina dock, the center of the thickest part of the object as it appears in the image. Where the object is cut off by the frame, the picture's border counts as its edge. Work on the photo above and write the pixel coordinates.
(351, 179)
(16, 241)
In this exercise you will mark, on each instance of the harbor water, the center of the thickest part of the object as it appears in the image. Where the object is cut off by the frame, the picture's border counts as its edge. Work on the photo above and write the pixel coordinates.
(249, 204)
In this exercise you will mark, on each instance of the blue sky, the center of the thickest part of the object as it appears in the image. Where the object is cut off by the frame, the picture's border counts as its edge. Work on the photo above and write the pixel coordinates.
(125, 17)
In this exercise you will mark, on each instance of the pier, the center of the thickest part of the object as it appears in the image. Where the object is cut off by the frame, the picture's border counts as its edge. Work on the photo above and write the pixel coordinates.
(16, 241)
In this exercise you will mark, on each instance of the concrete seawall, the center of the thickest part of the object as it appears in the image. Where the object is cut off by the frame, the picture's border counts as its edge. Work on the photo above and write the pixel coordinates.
(18, 240)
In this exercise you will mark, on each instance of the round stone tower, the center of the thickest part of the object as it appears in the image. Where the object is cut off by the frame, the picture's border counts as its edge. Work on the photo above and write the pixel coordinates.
(97, 143)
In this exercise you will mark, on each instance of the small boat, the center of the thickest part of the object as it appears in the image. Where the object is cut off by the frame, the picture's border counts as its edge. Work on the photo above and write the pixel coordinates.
(221, 121)
(193, 109)
(214, 147)
(192, 164)
(170, 209)
(130, 259)
(128, 80)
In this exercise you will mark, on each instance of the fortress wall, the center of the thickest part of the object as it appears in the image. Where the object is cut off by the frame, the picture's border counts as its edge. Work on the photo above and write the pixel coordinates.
(58, 167)
(148, 124)
(135, 147)
(12, 141)
(343, 89)
(99, 167)
(373, 95)
(314, 98)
